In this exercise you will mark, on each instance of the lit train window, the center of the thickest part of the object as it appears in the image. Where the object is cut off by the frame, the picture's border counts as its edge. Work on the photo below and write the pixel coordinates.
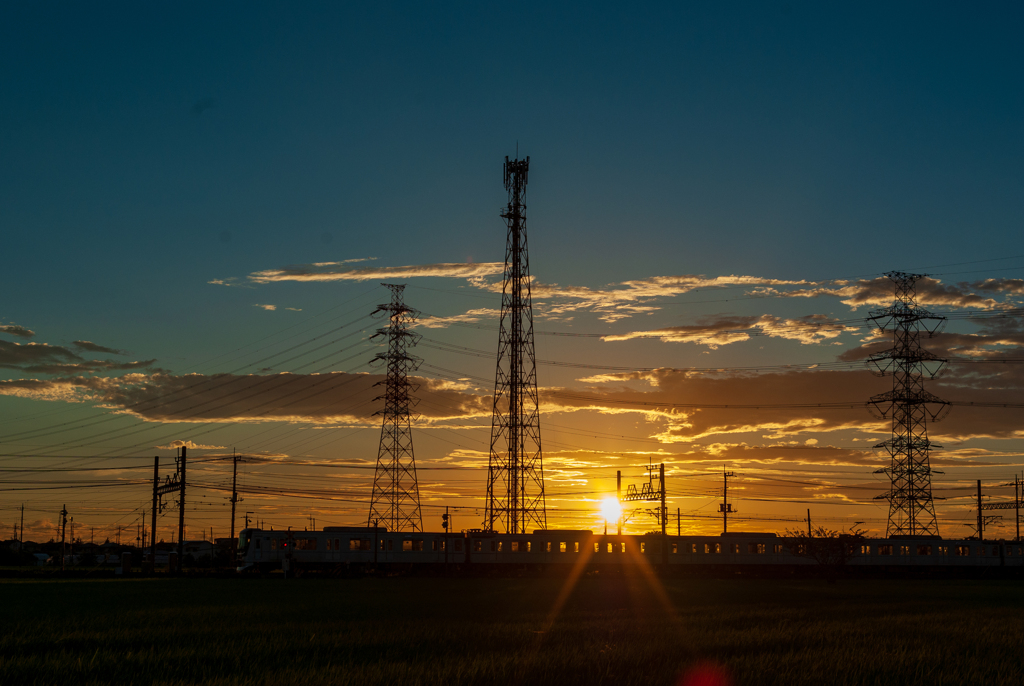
(963, 550)
(643, 547)
(693, 547)
(527, 549)
(623, 547)
(707, 547)
(561, 547)
(576, 547)
(610, 549)
(515, 546)
(675, 548)
(499, 546)
(597, 547)
(548, 546)
(478, 546)
(735, 547)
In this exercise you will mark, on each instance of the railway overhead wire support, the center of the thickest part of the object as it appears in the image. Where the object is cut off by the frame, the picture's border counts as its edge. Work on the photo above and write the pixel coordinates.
(515, 473)
(395, 502)
(909, 407)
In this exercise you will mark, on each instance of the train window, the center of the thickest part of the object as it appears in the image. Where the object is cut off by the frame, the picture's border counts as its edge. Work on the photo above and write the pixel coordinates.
(865, 550)
(609, 548)
(675, 548)
(273, 543)
(328, 544)
(525, 547)
(515, 546)
(962, 550)
(458, 545)
(735, 547)
(561, 546)
(778, 548)
(547, 547)
(718, 547)
(337, 547)
(391, 544)
(500, 546)
(924, 550)
(433, 545)
(576, 547)
(756, 548)
(417, 544)
(643, 547)
(597, 547)
(305, 543)
(707, 547)
(693, 547)
(353, 544)
(478, 546)
(885, 549)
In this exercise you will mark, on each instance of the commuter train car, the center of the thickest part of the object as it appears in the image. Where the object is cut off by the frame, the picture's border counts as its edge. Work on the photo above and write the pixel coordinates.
(336, 548)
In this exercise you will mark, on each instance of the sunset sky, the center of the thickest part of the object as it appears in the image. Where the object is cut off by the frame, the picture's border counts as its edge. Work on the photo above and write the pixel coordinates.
(199, 203)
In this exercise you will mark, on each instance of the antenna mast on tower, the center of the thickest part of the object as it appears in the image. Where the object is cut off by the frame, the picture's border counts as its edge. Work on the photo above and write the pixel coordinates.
(515, 474)
(909, 406)
(395, 502)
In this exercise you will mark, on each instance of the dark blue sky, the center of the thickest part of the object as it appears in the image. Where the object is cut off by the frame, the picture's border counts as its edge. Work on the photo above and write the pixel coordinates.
(151, 149)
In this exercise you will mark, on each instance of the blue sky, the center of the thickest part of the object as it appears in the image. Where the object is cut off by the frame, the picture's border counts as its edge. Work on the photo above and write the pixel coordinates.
(153, 150)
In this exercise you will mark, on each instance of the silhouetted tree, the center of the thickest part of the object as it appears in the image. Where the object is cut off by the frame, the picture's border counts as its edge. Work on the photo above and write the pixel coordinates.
(831, 549)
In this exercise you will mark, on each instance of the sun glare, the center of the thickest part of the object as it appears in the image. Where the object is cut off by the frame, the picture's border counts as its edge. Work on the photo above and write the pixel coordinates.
(611, 509)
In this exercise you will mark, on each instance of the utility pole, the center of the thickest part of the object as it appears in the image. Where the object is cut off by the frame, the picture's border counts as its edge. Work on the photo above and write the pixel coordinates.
(725, 508)
(809, 534)
(181, 510)
(234, 489)
(618, 497)
(63, 529)
(981, 519)
(1016, 502)
(22, 527)
(664, 517)
(152, 528)
(679, 522)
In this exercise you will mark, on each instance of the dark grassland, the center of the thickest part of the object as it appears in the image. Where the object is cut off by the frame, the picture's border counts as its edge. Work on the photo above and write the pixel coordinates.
(483, 631)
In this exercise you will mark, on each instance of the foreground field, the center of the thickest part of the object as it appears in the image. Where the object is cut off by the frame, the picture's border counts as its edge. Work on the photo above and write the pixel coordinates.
(482, 631)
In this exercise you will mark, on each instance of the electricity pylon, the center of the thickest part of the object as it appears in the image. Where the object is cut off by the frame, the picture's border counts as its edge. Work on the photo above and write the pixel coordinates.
(515, 473)
(909, 406)
(395, 502)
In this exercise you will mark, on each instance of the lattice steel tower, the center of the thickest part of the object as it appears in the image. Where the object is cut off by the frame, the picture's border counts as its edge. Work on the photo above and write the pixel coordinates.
(515, 475)
(911, 510)
(395, 502)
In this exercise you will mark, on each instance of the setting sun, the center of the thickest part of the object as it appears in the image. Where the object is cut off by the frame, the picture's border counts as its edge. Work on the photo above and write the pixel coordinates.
(610, 509)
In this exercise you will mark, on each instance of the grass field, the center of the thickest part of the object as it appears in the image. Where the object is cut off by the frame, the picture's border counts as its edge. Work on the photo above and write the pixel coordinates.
(482, 631)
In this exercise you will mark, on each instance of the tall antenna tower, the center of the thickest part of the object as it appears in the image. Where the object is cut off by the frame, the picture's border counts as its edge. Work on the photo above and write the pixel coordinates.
(395, 502)
(515, 474)
(911, 510)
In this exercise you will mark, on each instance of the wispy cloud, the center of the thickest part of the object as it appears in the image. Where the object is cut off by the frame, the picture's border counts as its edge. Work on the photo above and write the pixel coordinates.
(15, 330)
(174, 445)
(43, 358)
(269, 308)
(96, 348)
(466, 317)
(319, 272)
(929, 292)
(628, 298)
(722, 330)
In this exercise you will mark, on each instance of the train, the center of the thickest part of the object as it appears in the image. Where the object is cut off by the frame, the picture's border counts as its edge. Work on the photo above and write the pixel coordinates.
(358, 549)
